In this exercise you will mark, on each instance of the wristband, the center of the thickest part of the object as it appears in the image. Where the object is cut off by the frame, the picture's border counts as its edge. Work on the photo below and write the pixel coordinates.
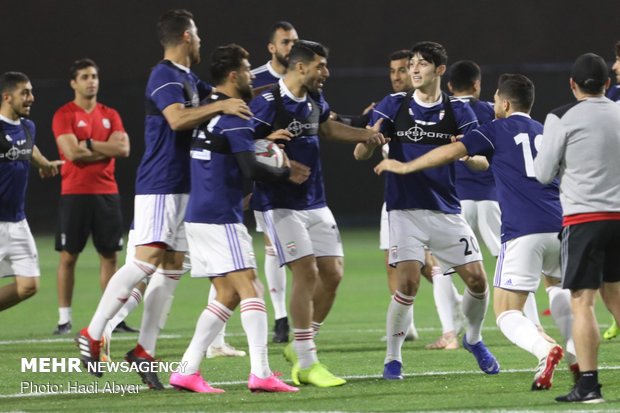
(89, 144)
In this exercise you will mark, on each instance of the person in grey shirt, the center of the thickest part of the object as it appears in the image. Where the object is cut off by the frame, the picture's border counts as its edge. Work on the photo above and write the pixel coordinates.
(581, 145)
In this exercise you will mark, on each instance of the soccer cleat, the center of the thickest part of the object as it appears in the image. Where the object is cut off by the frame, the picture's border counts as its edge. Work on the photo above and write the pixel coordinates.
(271, 384)
(192, 382)
(446, 341)
(281, 330)
(579, 395)
(89, 352)
(544, 372)
(393, 370)
(62, 329)
(122, 327)
(610, 333)
(106, 338)
(143, 362)
(225, 351)
(317, 375)
(289, 354)
(486, 360)
(574, 369)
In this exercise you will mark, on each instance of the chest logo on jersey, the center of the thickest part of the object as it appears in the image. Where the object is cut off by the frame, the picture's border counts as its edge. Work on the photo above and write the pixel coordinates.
(82, 124)
(15, 153)
(106, 123)
(297, 128)
(416, 134)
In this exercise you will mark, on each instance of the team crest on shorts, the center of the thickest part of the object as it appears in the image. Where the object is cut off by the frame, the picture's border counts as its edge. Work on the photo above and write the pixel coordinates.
(291, 248)
(394, 252)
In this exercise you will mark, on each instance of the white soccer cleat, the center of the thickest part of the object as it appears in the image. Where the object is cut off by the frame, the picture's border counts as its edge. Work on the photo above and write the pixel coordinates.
(225, 351)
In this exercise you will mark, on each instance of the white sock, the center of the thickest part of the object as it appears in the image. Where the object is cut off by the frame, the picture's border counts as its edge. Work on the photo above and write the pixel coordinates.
(521, 331)
(218, 341)
(156, 297)
(444, 299)
(559, 304)
(316, 327)
(276, 282)
(117, 293)
(396, 325)
(530, 309)
(132, 302)
(209, 323)
(254, 322)
(304, 347)
(64, 315)
(475, 308)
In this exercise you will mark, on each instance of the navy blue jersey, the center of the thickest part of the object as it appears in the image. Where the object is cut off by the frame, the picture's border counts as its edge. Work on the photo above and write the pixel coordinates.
(476, 185)
(614, 93)
(164, 168)
(265, 75)
(216, 180)
(432, 189)
(15, 154)
(510, 144)
(303, 148)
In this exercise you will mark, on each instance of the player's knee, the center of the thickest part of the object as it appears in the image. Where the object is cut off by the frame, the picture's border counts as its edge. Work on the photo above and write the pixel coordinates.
(27, 290)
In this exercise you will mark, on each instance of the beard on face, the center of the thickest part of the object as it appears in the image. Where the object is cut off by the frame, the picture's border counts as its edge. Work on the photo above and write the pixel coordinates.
(283, 60)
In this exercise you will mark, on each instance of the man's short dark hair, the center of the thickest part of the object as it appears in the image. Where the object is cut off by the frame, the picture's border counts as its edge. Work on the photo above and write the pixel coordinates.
(81, 64)
(10, 80)
(305, 50)
(463, 74)
(517, 89)
(171, 26)
(226, 59)
(591, 73)
(431, 52)
(284, 25)
(401, 54)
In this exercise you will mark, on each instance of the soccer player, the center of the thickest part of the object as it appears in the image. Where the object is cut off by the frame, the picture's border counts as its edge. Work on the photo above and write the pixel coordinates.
(173, 94)
(424, 209)
(296, 217)
(18, 252)
(282, 37)
(90, 136)
(581, 145)
(531, 219)
(219, 244)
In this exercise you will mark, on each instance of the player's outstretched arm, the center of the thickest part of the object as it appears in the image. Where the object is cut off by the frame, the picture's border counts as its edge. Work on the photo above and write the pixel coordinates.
(338, 131)
(437, 157)
(47, 168)
(364, 151)
(181, 118)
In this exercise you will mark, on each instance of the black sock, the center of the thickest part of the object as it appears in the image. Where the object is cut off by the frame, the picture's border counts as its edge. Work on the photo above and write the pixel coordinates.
(589, 379)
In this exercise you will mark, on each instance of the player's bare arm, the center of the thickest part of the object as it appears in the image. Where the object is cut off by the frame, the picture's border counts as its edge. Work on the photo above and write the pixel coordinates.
(364, 151)
(181, 118)
(345, 133)
(117, 146)
(437, 157)
(77, 151)
(47, 168)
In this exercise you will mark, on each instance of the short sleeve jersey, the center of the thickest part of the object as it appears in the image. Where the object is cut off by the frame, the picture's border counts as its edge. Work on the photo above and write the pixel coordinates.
(15, 153)
(476, 185)
(265, 75)
(164, 168)
(302, 148)
(511, 144)
(216, 194)
(99, 124)
(432, 189)
(614, 93)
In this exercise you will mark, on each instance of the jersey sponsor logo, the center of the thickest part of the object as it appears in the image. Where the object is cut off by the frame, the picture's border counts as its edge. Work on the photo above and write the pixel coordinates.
(416, 134)
(82, 124)
(14, 153)
(297, 128)
(291, 248)
(106, 123)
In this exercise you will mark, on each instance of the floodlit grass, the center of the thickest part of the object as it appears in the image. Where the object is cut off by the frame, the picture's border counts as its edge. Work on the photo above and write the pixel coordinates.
(349, 343)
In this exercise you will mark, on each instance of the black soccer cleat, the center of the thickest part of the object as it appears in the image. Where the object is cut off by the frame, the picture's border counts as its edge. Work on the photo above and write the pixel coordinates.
(122, 327)
(581, 395)
(281, 330)
(62, 329)
(144, 367)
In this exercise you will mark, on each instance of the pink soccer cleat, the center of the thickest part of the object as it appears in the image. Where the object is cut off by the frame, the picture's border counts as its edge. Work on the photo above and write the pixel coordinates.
(192, 382)
(271, 384)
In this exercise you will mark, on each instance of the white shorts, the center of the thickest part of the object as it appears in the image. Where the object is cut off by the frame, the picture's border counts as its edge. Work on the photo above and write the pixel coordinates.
(18, 252)
(218, 249)
(384, 230)
(485, 218)
(449, 237)
(522, 260)
(159, 218)
(297, 234)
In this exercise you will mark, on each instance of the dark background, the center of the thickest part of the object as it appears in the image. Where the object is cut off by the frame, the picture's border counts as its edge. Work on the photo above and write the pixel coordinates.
(537, 38)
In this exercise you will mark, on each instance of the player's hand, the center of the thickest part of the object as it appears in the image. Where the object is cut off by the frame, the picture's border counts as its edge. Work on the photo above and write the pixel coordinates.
(280, 135)
(390, 165)
(376, 138)
(51, 169)
(455, 138)
(368, 108)
(299, 173)
(236, 107)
